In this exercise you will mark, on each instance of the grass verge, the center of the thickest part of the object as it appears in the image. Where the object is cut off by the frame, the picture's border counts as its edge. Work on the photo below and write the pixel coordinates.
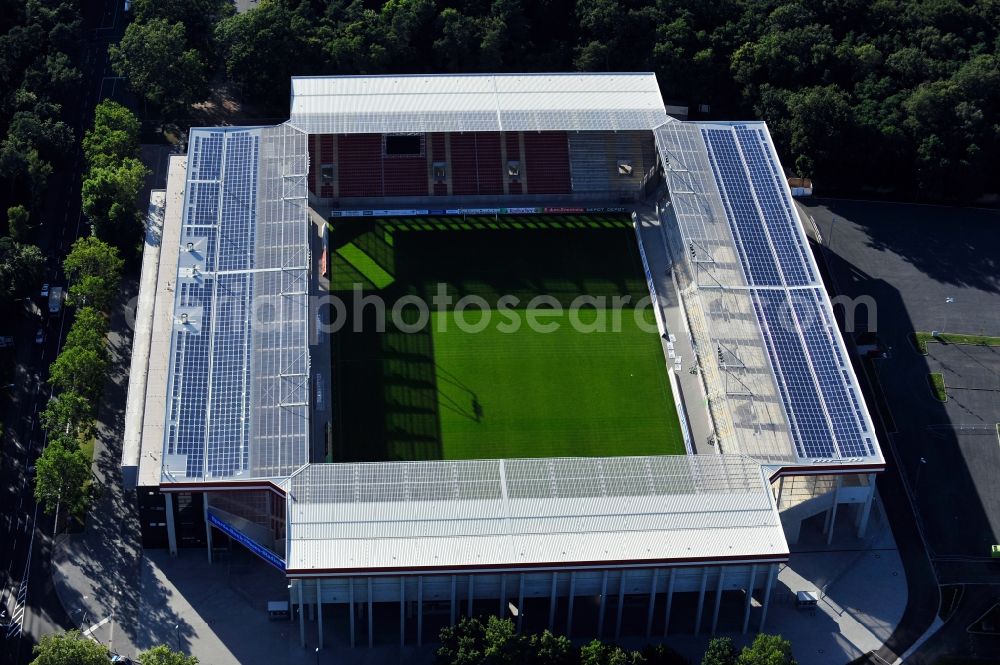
(936, 381)
(922, 338)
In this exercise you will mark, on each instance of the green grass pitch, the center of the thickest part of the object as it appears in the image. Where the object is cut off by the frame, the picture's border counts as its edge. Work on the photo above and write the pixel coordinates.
(559, 394)
(444, 393)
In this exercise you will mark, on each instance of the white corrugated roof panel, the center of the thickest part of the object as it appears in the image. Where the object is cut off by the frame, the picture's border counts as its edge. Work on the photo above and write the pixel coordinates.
(476, 102)
(533, 512)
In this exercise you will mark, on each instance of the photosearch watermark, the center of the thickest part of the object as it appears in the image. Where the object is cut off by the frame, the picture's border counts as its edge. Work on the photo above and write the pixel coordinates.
(360, 311)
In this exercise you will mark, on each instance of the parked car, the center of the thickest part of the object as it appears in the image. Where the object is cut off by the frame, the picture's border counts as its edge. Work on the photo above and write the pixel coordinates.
(55, 300)
(40, 336)
(45, 291)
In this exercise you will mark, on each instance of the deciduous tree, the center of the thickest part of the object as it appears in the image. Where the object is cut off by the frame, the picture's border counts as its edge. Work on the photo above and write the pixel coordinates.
(19, 223)
(90, 325)
(21, 267)
(109, 197)
(155, 57)
(720, 651)
(767, 650)
(162, 655)
(70, 648)
(62, 473)
(463, 643)
(94, 269)
(68, 414)
(113, 137)
(79, 370)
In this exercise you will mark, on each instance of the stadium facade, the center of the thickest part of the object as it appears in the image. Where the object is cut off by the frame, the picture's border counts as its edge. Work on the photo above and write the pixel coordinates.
(228, 411)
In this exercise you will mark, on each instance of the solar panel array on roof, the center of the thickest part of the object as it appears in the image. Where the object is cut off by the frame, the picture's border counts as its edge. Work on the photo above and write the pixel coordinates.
(246, 188)
(812, 374)
(758, 207)
(730, 195)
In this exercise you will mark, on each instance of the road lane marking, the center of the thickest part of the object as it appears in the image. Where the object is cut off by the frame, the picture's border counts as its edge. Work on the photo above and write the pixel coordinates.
(87, 633)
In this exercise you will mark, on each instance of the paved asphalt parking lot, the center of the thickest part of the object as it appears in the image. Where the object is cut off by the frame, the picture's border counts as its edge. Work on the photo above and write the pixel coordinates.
(922, 268)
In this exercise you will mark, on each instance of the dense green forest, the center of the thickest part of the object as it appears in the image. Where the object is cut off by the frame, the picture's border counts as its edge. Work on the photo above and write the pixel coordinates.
(897, 95)
(38, 43)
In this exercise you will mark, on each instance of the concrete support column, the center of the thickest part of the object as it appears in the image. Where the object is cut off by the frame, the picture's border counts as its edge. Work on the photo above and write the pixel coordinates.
(503, 596)
(472, 593)
(302, 619)
(208, 527)
(503, 162)
(652, 604)
(701, 600)
(670, 601)
(312, 611)
(569, 613)
(552, 601)
(319, 610)
(833, 511)
(772, 573)
(402, 611)
(621, 605)
(454, 582)
(520, 603)
(524, 164)
(718, 599)
(420, 611)
(749, 599)
(600, 611)
(371, 612)
(866, 509)
(449, 170)
(350, 608)
(168, 500)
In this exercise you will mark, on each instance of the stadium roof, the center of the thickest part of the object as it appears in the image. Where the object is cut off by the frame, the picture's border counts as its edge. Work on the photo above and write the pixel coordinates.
(476, 102)
(238, 395)
(781, 386)
(530, 513)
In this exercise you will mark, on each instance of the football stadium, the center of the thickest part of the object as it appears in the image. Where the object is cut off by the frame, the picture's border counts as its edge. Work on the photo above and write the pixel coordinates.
(528, 345)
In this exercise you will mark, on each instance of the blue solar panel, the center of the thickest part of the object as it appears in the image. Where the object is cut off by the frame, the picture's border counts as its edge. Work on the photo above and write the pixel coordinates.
(804, 406)
(759, 210)
(189, 393)
(831, 373)
(202, 218)
(229, 434)
(206, 156)
(737, 197)
(780, 220)
(239, 202)
(211, 372)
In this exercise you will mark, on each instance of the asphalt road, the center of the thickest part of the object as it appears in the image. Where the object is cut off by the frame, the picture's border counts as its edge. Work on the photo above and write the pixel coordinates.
(26, 592)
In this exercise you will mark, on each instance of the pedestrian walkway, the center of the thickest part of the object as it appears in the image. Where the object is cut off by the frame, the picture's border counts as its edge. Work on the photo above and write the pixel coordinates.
(678, 347)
